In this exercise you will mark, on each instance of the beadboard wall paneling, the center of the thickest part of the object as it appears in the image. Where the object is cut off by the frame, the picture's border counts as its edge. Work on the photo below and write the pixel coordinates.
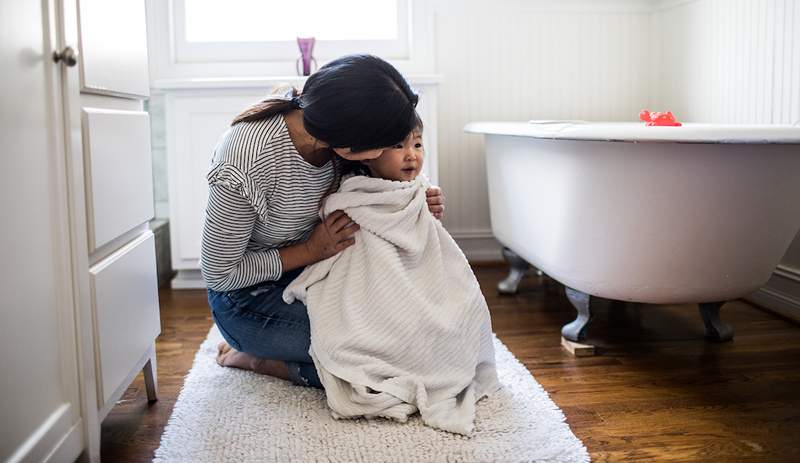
(512, 60)
(730, 61)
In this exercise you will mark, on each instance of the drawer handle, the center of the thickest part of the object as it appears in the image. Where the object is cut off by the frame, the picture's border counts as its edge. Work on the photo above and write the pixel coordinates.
(68, 56)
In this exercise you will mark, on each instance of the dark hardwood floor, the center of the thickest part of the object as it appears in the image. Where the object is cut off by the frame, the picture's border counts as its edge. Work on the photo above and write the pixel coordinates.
(657, 391)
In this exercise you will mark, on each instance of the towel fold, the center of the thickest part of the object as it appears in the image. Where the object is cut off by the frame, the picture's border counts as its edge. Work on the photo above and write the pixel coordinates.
(398, 321)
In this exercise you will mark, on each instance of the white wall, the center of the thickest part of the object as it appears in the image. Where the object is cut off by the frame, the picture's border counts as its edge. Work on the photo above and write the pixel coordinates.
(521, 60)
(730, 61)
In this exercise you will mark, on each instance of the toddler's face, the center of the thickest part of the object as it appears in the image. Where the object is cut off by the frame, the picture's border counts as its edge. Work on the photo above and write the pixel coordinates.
(401, 162)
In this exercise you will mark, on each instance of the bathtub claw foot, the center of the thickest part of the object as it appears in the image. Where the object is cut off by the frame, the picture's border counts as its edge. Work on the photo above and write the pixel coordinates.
(716, 329)
(518, 268)
(575, 331)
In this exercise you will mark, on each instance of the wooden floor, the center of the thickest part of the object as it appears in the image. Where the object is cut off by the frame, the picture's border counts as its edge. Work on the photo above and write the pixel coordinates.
(657, 391)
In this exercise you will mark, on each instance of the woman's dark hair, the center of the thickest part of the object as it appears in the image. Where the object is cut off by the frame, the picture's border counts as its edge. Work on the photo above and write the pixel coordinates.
(359, 102)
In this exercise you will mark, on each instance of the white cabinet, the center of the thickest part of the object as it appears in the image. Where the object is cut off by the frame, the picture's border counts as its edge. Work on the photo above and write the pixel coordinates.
(196, 114)
(113, 171)
(80, 310)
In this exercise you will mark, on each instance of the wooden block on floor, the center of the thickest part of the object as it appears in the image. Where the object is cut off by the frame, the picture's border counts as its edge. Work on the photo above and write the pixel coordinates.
(577, 349)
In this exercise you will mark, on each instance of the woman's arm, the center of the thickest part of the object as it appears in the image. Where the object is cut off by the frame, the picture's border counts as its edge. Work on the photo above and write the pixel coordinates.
(227, 265)
(224, 262)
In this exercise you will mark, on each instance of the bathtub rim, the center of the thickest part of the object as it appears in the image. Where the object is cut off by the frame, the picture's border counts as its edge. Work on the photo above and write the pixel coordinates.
(632, 132)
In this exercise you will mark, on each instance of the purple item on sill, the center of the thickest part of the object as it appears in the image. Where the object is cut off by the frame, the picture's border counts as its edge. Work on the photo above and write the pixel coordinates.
(306, 46)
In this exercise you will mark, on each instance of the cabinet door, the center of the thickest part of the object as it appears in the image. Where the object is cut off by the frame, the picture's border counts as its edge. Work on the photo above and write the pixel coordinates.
(125, 305)
(39, 387)
(119, 172)
(114, 47)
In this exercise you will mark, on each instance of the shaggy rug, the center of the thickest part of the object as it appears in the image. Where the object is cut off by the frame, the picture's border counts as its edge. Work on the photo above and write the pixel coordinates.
(224, 414)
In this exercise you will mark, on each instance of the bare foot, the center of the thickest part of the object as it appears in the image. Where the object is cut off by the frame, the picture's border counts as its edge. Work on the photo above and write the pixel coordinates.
(227, 356)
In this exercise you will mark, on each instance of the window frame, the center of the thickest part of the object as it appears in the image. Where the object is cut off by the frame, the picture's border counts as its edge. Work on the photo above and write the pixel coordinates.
(285, 51)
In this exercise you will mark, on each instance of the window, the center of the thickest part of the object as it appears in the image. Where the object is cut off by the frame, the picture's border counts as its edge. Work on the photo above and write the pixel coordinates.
(266, 30)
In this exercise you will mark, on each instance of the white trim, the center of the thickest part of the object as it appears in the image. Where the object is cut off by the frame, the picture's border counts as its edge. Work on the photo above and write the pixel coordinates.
(188, 279)
(53, 436)
(284, 51)
(782, 297)
(663, 5)
(78, 236)
(564, 6)
(778, 302)
(477, 233)
(165, 65)
(788, 272)
(480, 249)
(69, 447)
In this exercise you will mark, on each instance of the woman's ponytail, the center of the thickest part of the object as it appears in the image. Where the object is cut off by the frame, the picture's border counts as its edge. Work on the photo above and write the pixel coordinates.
(283, 99)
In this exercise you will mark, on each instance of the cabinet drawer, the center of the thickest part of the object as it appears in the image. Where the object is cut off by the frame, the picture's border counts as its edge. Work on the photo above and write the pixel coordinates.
(113, 54)
(126, 312)
(119, 172)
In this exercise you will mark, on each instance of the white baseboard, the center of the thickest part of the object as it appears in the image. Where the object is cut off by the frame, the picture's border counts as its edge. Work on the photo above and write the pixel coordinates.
(188, 279)
(478, 245)
(781, 294)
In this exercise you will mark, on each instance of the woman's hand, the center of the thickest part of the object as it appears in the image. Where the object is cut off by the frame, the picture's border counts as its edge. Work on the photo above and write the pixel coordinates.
(435, 199)
(331, 236)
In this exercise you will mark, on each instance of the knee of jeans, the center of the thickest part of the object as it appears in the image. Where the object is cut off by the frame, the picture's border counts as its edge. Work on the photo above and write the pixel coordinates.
(225, 334)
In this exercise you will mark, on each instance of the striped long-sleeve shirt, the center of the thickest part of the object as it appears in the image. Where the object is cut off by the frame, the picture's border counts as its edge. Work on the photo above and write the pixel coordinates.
(262, 195)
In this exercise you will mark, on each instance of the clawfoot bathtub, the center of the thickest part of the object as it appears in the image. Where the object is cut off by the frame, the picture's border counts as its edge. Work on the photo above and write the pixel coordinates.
(693, 214)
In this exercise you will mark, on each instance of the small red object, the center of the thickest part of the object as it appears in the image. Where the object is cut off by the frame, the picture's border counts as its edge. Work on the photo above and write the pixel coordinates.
(658, 119)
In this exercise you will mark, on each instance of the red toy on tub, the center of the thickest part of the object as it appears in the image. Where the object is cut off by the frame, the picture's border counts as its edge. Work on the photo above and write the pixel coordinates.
(658, 119)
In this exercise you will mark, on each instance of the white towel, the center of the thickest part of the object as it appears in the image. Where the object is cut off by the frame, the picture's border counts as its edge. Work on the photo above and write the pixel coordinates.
(398, 321)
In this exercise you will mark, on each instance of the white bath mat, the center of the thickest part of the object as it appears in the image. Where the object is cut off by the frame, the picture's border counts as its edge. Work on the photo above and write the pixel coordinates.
(224, 414)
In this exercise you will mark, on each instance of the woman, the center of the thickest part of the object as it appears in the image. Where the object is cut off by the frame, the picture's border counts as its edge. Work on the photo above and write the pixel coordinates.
(270, 171)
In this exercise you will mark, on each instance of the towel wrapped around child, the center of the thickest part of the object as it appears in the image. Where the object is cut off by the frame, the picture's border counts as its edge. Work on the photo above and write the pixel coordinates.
(398, 321)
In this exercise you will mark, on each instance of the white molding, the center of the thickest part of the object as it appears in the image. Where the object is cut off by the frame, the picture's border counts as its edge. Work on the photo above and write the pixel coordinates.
(479, 248)
(165, 65)
(54, 436)
(188, 279)
(788, 272)
(778, 302)
(70, 446)
(663, 5)
(225, 83)
(561, 6)
(471, 233)
(781, 294)
(286, 51)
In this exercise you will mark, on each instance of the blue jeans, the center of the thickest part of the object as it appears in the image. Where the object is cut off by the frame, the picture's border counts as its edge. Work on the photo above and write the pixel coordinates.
(255, 320)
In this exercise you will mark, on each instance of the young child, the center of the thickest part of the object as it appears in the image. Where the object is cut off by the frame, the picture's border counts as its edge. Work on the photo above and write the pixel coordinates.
(398, 322)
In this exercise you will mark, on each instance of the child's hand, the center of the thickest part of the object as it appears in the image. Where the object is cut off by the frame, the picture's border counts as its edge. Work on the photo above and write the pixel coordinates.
(331, 236)
(435, 199)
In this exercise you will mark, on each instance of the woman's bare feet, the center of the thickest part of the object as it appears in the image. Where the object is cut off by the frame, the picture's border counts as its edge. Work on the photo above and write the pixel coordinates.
(227, 356)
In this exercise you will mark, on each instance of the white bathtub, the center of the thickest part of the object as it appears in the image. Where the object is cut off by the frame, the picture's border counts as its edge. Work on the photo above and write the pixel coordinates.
(692, 214)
